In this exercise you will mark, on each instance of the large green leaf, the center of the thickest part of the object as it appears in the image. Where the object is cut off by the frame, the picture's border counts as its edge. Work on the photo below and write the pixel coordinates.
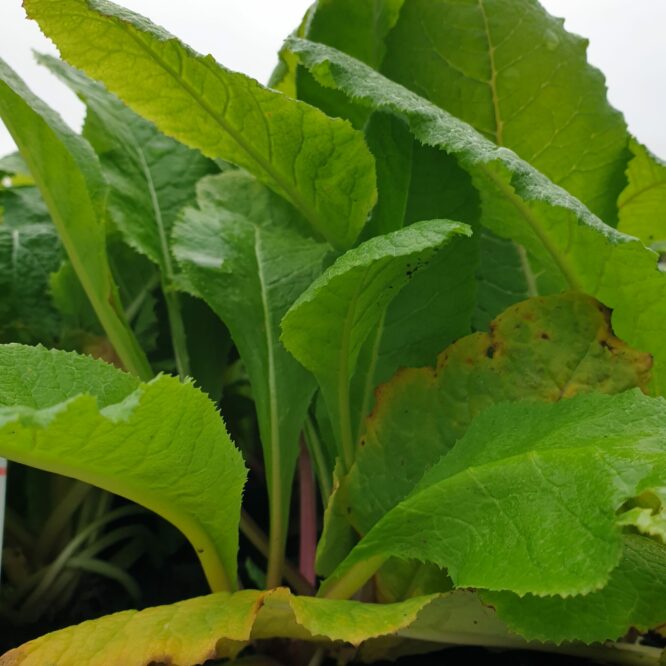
(511, 71)
(526, 500)
(327, 326)
(213, 627)
(161, 444)
(570, 244)
(642, 204)
(357, 28)
(318, 163)
(543, 349)
(219, 625)
(635, 597)
(242, 253)
(68, 175)
(151, 178)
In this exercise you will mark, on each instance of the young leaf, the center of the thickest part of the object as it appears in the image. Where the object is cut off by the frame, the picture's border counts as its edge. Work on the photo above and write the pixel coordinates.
(331, 320)
(524, 84)
(243, 255)
(161, 444)
(642, 205)
(526, 500)
(69, 178)
(633, 598)
(569, 243)
(321, 165)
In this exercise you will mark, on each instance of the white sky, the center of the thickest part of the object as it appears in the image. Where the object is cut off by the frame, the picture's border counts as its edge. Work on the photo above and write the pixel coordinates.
(626, 42)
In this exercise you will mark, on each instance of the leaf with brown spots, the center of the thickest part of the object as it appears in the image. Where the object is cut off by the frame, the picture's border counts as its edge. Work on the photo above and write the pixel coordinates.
(543, 349)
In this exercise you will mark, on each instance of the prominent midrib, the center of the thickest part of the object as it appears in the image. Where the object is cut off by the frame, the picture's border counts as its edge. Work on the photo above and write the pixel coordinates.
(275, 508)
(492, 81)
(530, 278)
(157, 213)
(267, 167)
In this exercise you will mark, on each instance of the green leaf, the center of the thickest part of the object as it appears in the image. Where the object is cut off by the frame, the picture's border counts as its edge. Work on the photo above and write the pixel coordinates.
(212, 627)
(526, 500)
(327, 326)
(435, 308)
(243, 254)
(633, 598)
(151, 176)
(569, 244)
(161, 444)
(642, 204)
(28, 255)
(209, 344)
(321, 165)
(12, 165)
(23, 205)
(545, 348)
(356, 28)
(502, 278)
(186, 633)
(219, 625)
(69, 178)
(523, 83)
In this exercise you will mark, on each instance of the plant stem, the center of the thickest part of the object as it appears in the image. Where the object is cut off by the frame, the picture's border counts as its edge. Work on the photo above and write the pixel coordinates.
(258, 539)
(308, 516)
(178, 338)
(347, 585)
(318, 458)
(120, 334)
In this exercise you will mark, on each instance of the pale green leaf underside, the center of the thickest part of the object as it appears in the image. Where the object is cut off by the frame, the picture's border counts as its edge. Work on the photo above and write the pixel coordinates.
(642, 204)
(161, 444)
(519, 203)
(528, 488)
(318, 163)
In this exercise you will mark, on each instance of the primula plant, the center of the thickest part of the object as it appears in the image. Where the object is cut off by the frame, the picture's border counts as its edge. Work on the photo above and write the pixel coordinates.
(421, 267)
